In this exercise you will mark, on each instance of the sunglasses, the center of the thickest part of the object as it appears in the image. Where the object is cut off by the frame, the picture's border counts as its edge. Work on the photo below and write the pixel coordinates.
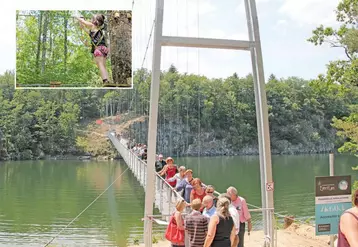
(210, 191)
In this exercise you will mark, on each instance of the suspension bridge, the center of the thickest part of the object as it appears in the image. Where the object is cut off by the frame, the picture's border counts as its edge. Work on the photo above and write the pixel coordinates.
(253, 45)
(157, 191)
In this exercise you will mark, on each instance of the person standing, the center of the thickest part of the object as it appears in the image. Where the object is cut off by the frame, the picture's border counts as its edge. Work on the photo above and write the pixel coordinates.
(179, 176)
(196, 225)
(186, 184)
(144, 155)
(235, 217)
(209, 190)
(221, 229)
(175, 230)
(198, 192)
(209, 208)
(159, 164)
(96, 28)
(169, 170)
(348, 225)
(241, 206)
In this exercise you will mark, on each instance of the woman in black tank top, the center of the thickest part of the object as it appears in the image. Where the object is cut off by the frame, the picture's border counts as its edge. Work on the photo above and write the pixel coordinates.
(99, 48)
(221, 230)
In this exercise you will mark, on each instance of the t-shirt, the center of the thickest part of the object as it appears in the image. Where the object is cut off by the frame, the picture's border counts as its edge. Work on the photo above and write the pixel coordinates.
(197, 196)
(159, 165)
(197, 227)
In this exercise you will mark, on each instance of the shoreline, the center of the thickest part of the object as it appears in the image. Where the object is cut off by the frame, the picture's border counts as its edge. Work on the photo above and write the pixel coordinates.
(296, 235)
(106, 158)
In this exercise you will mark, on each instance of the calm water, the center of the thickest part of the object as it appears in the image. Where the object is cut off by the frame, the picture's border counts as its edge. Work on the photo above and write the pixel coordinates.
(39, 198)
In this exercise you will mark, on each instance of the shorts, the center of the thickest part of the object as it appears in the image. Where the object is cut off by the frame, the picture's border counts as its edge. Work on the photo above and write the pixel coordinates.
(101, 51)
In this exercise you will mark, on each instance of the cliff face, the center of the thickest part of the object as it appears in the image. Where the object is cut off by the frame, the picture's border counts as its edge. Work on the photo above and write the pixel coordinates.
(173, 138)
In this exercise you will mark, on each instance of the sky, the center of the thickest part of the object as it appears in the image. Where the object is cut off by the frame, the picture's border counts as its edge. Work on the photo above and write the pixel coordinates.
(285, 26)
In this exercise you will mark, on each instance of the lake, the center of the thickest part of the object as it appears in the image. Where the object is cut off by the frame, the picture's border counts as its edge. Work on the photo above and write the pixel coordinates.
(39, 198)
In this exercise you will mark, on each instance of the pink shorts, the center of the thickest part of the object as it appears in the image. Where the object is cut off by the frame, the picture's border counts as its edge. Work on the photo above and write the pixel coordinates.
(101, 51)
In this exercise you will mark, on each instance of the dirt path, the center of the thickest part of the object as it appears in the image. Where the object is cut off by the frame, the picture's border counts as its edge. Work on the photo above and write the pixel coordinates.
(96, 134)
(294, 236)
(106, 126)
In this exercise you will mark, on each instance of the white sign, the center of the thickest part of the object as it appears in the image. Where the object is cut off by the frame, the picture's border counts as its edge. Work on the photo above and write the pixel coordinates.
(270, 186)
(333, 199)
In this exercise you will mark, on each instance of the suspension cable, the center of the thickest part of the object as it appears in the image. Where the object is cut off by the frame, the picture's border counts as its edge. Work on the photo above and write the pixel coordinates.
(49, 242)
(199, 98)
(187, 61)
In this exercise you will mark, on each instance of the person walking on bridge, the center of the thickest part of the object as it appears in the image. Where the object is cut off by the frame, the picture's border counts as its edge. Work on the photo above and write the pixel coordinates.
(169, 170)
(348, 226)
(198, 192)
(186, 185)
(160, 163)
(178, 177)
(240, 204)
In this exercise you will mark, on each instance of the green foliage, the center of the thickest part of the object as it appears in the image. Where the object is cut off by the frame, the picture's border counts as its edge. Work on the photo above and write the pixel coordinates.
(51, 47)
(82, 143)
(136, 240)
(345, 36)
(300, 114)
(34, 123)
(156, 239)
(343, 73)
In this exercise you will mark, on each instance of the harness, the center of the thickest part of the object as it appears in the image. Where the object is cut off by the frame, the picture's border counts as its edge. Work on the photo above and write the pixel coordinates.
(95, 43)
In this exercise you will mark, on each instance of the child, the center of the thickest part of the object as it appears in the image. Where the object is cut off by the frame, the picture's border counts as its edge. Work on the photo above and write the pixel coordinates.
(99, 48)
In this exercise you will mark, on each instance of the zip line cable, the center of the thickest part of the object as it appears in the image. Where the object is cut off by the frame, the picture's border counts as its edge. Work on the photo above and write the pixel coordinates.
(49, 242)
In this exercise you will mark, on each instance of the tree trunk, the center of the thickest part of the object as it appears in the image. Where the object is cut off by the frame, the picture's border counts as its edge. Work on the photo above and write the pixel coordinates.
(44, 40)
(39, 41)
(120, 32)
(65, 24)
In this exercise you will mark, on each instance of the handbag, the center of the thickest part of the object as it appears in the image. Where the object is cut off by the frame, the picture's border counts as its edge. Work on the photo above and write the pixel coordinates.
(173, 234)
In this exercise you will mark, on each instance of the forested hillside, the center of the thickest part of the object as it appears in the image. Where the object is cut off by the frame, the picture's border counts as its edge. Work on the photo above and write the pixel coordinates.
(197, 115)
(219, 111)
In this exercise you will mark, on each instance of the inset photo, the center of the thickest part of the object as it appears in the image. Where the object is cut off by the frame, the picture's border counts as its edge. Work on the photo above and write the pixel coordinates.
(73, 49)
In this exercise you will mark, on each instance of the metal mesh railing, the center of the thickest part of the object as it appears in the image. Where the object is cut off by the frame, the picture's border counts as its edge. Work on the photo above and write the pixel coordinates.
(165, 197)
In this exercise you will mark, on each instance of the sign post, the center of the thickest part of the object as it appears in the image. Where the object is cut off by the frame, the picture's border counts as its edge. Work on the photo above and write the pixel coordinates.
(333, 197)
(331, 173)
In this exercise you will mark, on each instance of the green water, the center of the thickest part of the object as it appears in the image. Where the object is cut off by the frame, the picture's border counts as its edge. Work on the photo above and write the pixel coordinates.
(39, 198)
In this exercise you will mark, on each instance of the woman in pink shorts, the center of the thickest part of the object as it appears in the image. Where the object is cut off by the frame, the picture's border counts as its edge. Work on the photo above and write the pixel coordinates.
(99, 48)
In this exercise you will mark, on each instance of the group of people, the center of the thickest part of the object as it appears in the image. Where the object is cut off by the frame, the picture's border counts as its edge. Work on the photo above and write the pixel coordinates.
(213, 221)
(220, 221)
(140, 150)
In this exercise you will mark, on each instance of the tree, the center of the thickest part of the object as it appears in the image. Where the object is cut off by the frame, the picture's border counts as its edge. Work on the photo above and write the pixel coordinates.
(343, 72)
(120, 26)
